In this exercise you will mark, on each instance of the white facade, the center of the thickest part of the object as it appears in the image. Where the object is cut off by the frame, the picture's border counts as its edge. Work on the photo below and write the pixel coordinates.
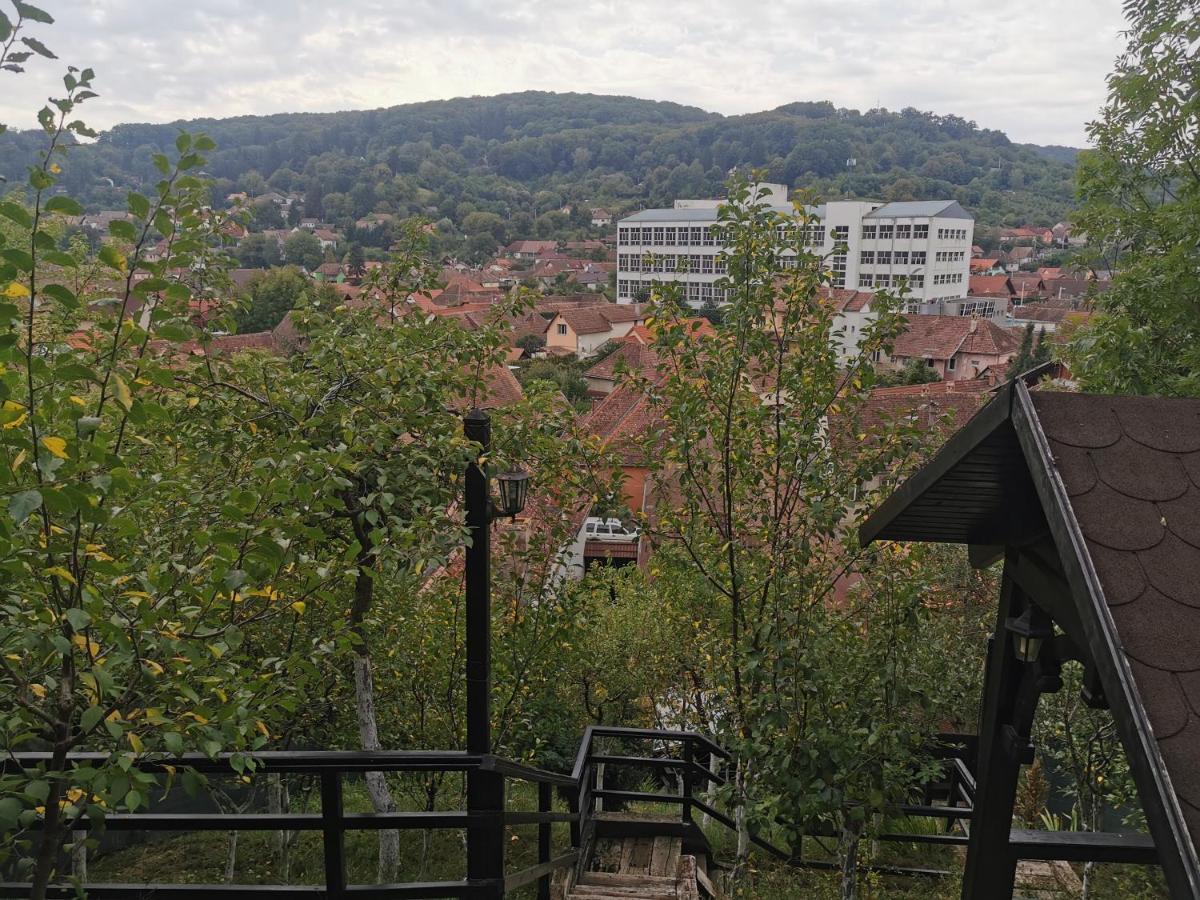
(925, 243)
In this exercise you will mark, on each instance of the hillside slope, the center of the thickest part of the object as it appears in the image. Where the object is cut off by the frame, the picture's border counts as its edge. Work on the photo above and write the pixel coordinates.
(523, 155)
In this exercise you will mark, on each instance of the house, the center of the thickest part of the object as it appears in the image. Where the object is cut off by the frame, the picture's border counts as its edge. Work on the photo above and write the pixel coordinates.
(530, 249)
(1072, 287)
(374, 220)
(635, 354)
(1014, 258)
(954, 347)
(991, 286)
(329, 271)
(986, 266)
(1026, 286)
(584, 330)
(328, 238)
(601, 218)
(1049, 271)
(1046, 318)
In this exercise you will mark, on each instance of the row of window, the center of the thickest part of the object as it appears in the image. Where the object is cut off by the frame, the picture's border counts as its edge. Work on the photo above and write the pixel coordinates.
(952, 234)
(899, 232)
(949, 278)
(882, 281)
(951, 255)
(980, 308)
(693, 292)
(705, 264)
(890, 257)
(669, 235)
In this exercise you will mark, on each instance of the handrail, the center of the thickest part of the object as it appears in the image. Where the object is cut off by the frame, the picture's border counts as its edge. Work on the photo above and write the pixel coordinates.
(283, 761)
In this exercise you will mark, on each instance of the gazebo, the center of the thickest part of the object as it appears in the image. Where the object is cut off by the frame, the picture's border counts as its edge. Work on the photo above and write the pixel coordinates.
(1093, 503)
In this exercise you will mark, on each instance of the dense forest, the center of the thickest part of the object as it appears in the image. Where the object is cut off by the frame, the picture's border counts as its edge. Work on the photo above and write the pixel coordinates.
(523, 157)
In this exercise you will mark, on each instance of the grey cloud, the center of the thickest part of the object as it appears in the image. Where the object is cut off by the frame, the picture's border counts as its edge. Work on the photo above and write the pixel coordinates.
(1030, 71)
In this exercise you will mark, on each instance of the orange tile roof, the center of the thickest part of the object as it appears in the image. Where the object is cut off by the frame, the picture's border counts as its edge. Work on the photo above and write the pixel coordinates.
(941, 337)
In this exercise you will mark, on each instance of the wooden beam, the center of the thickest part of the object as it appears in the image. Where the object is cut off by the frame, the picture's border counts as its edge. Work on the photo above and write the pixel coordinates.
(1084, 846)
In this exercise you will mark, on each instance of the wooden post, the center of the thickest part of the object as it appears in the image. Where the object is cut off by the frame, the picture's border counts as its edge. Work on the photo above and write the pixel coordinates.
(598, 803)
(1003, 736)
(689, 757)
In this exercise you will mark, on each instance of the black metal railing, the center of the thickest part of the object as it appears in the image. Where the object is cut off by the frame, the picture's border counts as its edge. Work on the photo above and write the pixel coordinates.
(683, 763)
(333, 822)
(950, 798)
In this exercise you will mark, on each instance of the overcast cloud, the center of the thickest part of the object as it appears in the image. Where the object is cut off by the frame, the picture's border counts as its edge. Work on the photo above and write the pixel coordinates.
(1031, 68)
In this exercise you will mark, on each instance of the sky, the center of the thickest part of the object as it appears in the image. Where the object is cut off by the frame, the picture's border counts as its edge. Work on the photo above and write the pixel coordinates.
(1031, 68)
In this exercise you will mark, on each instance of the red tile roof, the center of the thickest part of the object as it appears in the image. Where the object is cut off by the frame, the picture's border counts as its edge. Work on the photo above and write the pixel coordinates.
(599, 319)
(982, 265)
(941, 337)
(990, 284)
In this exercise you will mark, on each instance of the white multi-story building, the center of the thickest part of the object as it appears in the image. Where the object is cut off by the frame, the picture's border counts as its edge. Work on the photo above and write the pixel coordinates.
(926, 243)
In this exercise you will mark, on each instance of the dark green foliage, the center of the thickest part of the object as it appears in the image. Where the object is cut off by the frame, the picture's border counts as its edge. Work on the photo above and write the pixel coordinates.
(563, 373)
(257, 251)
(303, 249)
(504, 166)
(1023, 361)
(271, 295)
(531, 343)
(915, 371)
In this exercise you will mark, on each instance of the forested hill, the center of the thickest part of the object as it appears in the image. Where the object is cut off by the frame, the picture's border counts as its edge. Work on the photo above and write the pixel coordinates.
(523, 155)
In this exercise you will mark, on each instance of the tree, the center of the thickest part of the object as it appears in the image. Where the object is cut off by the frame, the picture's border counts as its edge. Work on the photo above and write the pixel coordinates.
(1141, 211)
(257, 251)
(304, 250)
(1024, 360)
(270, 297)
(531, 343)
(356, 262)
(763, 459)
(915, 371)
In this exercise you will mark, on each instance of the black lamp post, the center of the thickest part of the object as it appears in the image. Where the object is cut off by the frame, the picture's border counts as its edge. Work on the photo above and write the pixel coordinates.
(485, 789)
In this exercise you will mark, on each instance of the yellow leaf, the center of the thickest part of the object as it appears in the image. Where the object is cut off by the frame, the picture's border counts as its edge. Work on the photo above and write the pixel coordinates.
(121, 390)
(37, 690)
(77, 400)
(154, 667)
(136, 743)
(60, 572)
(16, 290)
(15, 657)
(262, 728)
(192, 401)
(298, 606)
(253, 427)
(17, 422)
(17, 460)
(55, 169)
(55, 445)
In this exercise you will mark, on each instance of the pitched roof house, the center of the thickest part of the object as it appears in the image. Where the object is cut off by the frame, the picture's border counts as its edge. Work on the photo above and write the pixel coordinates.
(954, 347)
(584, 330)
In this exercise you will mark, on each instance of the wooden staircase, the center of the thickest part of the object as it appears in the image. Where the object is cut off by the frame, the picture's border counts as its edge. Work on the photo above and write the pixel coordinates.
(641, 867)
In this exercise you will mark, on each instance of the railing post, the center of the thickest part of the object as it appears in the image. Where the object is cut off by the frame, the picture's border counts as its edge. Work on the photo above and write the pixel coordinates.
(545, 798)
(689, 757)
(333, 834)
(598, 803)
(485, 833)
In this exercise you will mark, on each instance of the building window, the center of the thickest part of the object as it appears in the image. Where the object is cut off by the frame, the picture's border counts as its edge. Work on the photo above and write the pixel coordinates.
(867, 258)
(706, 265)
(883, 281)
(918, 257)
(708, 237)
(562, 329)
(901, 258)
(917, 281)
(885, 232)
(815, 236)
(904, 232)
(868, 232)
(929, 361)
(697, 236)
(885, 257)
(920, 232)
(866, 280)
(952, 364)
(841, 233)
(658, 237)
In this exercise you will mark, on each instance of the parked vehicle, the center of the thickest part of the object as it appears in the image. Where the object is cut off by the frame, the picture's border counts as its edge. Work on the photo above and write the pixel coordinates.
(598, 529)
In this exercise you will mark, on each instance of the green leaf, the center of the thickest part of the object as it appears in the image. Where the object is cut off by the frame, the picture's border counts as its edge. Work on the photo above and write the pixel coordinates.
(133, 799)
(38, 47)
(16, 213)
(10, 809)
(119, 228)
(19, 258)
(64, 205)
(62, 294)
(139, 205)
(22, 504)
(90, 718)
(111, 257)
(174, 742)
(5, 27)
(31, 12)
(79, 618)
(58, 258)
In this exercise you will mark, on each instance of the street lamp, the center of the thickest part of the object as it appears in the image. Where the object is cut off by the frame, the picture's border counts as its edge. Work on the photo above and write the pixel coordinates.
(514, 489)
(1030, 630)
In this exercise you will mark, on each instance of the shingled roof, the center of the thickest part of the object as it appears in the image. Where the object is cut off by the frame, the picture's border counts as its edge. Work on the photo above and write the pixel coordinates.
(941, 337)
(1114, 485)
